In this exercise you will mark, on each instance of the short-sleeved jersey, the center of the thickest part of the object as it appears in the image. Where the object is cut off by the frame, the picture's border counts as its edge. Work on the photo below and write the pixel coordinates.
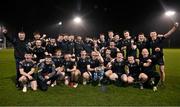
(113, 52)
(46, 68)
(142, 45)
(127, 43)
(27, 65)
(148, 69)
(71, 48)
(102, 44)
(58, 61)
(94, 63)
(106, 60)
(118, 67)
(51, 48)
(88, 46)
(82, 64)
(63, 46)
(119, 44)
(39, 52)
(134, 68)
(156, 44)
(129, 50)
(68, 64)
(78, 48)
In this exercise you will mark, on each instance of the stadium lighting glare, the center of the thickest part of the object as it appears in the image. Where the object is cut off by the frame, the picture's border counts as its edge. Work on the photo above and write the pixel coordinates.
(77, 20)
(60, 23)
(170, 13)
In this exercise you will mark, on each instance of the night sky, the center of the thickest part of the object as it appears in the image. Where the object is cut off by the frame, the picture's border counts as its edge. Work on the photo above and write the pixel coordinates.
(97, 15)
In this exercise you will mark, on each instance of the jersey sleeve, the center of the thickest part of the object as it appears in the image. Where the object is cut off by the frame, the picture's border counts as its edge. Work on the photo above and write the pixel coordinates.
(34, 65)
(20, 64)
(161, 37)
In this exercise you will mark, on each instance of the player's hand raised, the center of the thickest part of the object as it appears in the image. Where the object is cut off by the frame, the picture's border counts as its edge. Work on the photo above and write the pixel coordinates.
(176, 24)
(157, 49)
(4, 30)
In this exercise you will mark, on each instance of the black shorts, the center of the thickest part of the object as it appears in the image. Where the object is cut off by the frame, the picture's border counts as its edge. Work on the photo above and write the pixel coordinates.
(135, 76)
(33, 77)
(151, 74)
(82, 70)
(120, 74)
(68, 74)
(160, 61)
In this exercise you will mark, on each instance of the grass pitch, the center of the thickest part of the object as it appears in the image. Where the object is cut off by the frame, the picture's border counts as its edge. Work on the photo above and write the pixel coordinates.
(90, 95)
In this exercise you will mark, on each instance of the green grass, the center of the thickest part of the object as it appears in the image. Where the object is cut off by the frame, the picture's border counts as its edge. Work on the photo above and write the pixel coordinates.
(90, 95)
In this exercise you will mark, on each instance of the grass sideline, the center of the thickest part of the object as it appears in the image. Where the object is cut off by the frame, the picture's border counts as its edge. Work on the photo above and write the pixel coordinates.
(90, 95)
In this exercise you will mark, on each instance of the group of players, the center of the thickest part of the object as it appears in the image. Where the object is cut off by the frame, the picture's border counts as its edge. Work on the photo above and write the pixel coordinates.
(43, 62)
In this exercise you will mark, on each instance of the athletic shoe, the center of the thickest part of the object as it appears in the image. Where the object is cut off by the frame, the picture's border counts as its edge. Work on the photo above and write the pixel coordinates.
(141, 86)
(152, 83)
(24, 89)
(154, 88)
(66, 82)
(84, 82)
(99, 84)
(52, 85)
(71, 84)
(75, 85)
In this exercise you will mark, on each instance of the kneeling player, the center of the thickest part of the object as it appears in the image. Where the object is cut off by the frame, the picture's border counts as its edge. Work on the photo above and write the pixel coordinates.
(58, 61)
(132, 70)
(82, 66)
(95, 68)
(117, 69)
(148, 76)
(72, 74)
(27, 69)
(46, 73)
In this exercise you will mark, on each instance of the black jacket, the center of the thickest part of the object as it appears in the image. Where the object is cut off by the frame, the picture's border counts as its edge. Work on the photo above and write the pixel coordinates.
(20, 47)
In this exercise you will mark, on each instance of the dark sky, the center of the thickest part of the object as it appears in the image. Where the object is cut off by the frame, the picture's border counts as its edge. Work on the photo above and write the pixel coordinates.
(98, 15)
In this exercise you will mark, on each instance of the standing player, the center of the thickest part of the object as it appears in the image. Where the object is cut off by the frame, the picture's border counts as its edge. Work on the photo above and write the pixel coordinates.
(62, 44)
(20, 49)
(113, 48)
(38, 51)
(78, 46)
(142, 43)
(71, 44)
(88, 43)
(102, 41)
(157, 48)
(129, 45)
(27, 69)
(51, 46)
(37, 36)
(110, 36)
